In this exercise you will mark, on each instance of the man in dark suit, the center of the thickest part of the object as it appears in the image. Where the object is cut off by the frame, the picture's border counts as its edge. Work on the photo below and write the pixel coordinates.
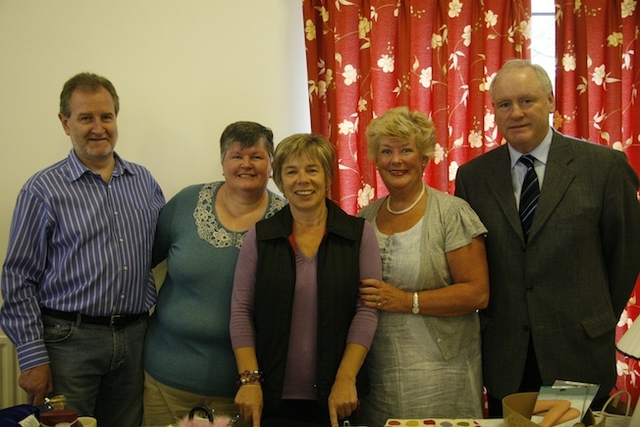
(559, 285)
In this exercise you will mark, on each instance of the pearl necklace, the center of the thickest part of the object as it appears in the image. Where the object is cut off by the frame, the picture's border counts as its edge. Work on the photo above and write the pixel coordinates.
(405, 210)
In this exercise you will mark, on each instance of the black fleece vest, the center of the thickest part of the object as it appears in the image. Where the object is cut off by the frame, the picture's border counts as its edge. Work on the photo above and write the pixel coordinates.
(338, 281)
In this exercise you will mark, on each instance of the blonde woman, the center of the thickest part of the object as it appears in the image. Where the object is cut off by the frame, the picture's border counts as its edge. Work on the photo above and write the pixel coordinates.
(425, 358)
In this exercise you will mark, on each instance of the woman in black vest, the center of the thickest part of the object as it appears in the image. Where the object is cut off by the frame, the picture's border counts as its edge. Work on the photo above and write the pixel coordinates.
(299, 331)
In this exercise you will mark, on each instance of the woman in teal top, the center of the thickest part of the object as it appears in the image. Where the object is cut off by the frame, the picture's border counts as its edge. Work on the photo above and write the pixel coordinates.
(188, 357)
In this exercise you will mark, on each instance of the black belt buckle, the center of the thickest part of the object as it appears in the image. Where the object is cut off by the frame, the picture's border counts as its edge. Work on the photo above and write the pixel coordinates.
(121, 320)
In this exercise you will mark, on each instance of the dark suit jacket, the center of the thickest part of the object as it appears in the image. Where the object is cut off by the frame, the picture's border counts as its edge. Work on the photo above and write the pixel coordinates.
(569, 284)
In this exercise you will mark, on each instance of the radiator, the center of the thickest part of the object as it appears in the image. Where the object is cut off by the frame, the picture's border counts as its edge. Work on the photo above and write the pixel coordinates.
(10, 393)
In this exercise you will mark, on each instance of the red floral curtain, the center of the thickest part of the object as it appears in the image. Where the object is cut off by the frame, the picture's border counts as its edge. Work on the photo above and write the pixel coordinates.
(365, 57)
(598, 78)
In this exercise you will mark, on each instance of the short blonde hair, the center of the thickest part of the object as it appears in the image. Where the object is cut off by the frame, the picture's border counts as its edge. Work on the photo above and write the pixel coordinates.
(401, 124)
(316, 146)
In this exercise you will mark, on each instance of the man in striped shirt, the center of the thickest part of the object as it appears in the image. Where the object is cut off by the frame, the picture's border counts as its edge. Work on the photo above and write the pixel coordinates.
(76, 281)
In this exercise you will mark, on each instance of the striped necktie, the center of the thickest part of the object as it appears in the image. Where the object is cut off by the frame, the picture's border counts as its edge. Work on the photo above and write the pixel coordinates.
(529, 195)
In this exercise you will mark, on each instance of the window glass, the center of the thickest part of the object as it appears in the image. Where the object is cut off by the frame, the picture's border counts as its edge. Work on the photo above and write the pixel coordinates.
(543, 33)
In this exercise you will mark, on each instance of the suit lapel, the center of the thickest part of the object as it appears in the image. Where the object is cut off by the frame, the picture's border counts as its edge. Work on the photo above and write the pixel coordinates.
(500, 186)
(557, 177)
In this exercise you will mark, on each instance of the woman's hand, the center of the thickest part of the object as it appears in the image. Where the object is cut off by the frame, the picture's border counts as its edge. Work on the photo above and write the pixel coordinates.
(249, 399)
(378, 294)
(343, 400)
(468, 293)
(249, 403)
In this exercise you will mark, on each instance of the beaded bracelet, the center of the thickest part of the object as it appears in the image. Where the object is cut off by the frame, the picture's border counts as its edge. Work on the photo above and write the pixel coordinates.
(249, 377)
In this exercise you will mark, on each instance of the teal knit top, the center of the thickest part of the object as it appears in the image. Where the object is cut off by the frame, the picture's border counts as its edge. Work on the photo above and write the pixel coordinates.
(187, 344)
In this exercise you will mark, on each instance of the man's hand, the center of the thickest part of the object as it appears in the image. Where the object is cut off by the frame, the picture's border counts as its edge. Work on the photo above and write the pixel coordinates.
(37, 382)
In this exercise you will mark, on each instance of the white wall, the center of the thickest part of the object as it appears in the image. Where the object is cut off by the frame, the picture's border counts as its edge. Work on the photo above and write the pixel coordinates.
(183, 70)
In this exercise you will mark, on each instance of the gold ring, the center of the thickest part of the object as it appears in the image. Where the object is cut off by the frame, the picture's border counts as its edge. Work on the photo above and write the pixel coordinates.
(378, 299)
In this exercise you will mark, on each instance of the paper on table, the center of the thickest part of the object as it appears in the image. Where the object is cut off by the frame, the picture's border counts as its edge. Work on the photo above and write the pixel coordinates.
(559, 406)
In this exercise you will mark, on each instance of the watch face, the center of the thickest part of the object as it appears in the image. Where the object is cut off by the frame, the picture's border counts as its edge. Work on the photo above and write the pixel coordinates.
(415, 310)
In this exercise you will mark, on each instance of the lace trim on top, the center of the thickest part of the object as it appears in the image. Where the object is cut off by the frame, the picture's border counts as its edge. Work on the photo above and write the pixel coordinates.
(210, 230)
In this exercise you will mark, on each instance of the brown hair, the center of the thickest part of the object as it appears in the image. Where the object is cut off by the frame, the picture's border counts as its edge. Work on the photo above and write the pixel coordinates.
(316, 146)
(247, 134)
(88, 82)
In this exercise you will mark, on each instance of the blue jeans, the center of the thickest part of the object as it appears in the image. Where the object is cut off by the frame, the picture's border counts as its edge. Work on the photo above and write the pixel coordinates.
(98, 369)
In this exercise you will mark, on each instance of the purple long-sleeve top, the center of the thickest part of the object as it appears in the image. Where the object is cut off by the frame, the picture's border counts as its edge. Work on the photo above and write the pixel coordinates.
(301, 357)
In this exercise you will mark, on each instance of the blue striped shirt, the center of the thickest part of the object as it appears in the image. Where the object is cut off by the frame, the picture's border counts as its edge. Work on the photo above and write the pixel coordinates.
(78, 244)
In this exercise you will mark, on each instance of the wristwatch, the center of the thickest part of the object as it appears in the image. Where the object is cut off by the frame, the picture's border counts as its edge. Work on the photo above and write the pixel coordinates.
(415, 308)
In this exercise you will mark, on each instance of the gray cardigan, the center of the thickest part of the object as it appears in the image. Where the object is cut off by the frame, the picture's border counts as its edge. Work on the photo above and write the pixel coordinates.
(449, 223)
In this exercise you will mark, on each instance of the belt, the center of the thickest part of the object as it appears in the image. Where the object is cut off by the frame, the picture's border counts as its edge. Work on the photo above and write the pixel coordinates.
(115, 320)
